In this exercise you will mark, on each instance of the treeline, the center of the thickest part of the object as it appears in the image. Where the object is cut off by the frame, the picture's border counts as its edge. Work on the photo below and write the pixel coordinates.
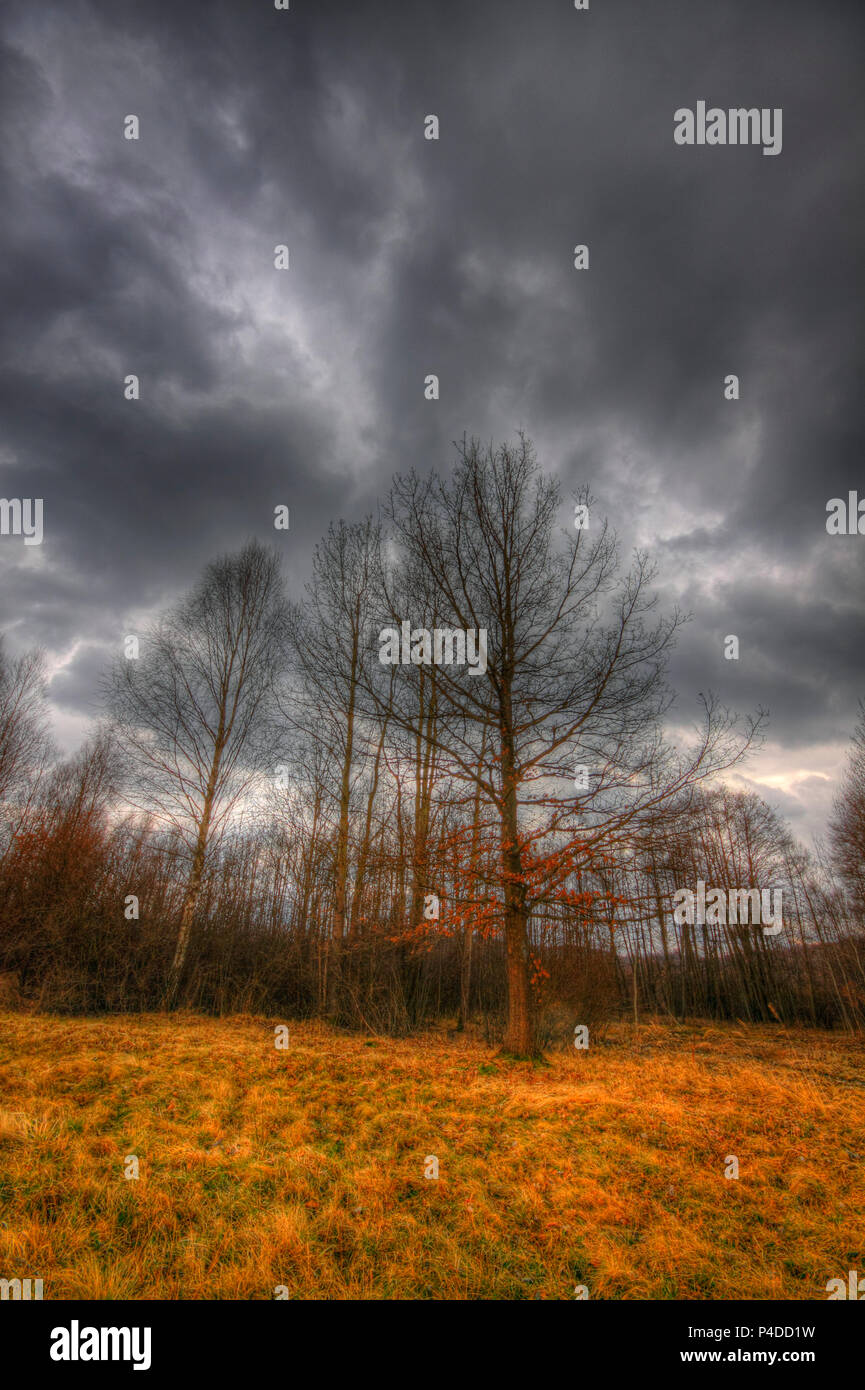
(273, 819)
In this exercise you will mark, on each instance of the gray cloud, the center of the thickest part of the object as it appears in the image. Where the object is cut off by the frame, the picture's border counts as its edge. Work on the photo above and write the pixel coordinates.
(453, 257)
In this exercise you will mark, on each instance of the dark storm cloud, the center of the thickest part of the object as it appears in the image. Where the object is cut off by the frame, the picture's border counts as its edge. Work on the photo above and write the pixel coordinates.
(454, 257)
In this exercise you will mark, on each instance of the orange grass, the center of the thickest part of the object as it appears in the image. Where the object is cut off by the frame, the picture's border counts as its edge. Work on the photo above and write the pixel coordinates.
(304, 1168)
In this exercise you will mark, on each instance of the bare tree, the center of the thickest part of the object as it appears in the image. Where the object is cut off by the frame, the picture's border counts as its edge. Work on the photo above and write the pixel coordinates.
(193, 714)
(25, 745)
(23, 738)
(574, 671)
(327, 636)
(847, 826)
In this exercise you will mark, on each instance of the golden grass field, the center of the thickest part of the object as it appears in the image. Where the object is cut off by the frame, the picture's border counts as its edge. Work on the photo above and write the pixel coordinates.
(305, 1168)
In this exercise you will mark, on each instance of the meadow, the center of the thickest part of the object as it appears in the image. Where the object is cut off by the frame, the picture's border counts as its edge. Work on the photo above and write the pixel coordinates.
(303, 1170)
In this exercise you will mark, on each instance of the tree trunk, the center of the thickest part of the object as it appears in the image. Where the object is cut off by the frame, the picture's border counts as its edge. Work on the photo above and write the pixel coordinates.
(193, 886)
(520, 1038)
(465, 977)
(341, 880)
(520, 1035)
(363, 857)
(469, 931)
(423, 801)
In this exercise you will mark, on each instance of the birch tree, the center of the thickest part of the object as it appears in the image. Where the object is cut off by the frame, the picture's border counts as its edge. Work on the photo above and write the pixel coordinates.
(193, 714)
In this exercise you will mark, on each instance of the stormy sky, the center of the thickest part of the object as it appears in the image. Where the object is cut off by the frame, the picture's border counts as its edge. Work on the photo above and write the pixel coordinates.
(408, 257)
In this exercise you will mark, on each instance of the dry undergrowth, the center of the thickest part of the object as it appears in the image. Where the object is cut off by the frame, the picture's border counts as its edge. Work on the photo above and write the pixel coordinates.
(305, 1168)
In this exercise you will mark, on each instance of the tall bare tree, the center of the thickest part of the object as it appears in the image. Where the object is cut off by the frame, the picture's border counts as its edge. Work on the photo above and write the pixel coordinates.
(847, 826)
(327, 635)
(193, 714)
(573, 671)
(25, 745)
(23, 737)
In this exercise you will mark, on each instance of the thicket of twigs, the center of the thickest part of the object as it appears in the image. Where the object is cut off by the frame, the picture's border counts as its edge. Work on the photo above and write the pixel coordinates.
(263, 926)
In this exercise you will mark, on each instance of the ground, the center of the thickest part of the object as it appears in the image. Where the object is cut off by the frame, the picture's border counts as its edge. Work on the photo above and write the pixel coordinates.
(303, 1170)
